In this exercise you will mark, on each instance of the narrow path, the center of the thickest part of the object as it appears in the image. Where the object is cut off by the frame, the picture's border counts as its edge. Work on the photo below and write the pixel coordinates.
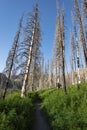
(40, 121)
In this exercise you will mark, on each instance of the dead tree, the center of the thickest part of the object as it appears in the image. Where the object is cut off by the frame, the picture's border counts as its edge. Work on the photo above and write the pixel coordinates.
(73, 57)
(58, 48)
(51, 73)
(79, 17)
(77, 50)
(63, 50)
(84, 3)
(12, 57)
(84, 10)
(41, 80)
(36, 56)
(31, 32)
(35, 62)
(46, 75)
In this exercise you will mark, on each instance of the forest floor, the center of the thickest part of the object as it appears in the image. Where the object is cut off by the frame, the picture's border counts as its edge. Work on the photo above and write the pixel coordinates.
(40, 120)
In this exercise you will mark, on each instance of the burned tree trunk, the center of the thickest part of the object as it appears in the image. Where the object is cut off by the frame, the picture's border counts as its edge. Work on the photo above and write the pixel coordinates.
(73, 58)
(33, 39)
(41, 80)
(63, 51)
(60, 50)
(11, 57)
(51, 73)
(77, 10)
(76, 49)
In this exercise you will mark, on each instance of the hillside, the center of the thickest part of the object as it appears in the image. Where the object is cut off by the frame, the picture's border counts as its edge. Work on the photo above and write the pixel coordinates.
(14, 82)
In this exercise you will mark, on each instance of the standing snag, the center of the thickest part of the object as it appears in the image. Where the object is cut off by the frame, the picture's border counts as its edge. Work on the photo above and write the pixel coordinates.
(82, 36)
(63, 50)
(60, 50)
(33, 39)
(10, 62)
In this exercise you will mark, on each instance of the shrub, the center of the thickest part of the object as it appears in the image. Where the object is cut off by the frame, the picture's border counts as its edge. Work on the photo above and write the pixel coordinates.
(16, 113)
(66, 111)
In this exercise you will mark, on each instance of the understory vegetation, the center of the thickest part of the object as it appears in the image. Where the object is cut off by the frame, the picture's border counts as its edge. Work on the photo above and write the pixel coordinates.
(63, 111)
(16, 113)
(66, 111)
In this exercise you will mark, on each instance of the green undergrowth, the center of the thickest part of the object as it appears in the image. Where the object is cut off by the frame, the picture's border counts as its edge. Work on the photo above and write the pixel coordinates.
(66, 111)
(32, 95)
(16, 113)
(63, 111)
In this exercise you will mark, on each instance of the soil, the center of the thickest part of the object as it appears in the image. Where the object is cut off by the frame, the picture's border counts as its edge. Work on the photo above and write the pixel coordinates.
(40, 120)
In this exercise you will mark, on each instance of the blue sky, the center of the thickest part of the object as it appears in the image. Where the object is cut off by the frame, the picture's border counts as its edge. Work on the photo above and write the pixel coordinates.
(10, 13)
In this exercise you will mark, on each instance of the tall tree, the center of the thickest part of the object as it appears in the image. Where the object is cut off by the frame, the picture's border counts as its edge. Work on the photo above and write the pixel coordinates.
(73, 57)
(79, 17)
(32, 40)
(60, 49)
(76, 50)
(36, 56)
(12, 57)
(51, 73)
(63, 49)
(41, 80)
(85, 8)
(46, 75)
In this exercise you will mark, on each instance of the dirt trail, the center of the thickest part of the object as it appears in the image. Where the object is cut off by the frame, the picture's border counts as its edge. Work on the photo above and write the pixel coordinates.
(40, 121)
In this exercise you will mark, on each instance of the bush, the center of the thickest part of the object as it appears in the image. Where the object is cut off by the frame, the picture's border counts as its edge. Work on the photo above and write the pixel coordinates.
(66, 111)
(32, 96)
(16, 113)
